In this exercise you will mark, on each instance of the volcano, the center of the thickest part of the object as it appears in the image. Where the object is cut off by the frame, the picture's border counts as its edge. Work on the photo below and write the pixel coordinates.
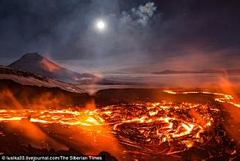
(35, 63)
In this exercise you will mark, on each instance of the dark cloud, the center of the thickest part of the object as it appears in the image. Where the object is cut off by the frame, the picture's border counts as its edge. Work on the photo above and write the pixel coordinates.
(138, 31)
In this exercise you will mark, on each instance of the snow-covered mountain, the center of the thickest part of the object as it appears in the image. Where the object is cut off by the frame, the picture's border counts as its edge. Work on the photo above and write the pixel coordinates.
(35, 63)
(27, 78)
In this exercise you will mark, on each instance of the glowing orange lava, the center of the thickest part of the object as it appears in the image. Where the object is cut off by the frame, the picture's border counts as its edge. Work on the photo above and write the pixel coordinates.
(152, 128)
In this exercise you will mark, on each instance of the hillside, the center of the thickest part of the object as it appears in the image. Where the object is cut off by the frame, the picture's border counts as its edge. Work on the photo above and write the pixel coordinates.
(35, 63)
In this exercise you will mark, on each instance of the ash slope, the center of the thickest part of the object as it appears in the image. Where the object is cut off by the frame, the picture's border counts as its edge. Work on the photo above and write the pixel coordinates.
(30, 79)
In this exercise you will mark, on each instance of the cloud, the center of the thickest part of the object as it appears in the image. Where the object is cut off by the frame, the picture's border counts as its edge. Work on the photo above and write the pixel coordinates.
(139, 32)
(140, 15)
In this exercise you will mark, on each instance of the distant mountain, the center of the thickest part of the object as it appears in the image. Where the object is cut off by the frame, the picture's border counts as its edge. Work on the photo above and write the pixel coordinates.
(213, 71)
(30, 79)
(234, 71)
(229, 71)
(154, 69)
(35, 63)
(173, 72)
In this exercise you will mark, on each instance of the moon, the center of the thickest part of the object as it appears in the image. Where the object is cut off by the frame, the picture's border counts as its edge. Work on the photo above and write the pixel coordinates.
(100, 25)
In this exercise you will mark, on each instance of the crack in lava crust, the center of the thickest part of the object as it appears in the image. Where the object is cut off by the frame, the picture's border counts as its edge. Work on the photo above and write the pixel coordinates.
(159, 128)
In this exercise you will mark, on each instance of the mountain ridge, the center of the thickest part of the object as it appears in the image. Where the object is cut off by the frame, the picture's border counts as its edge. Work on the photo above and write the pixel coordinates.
(204, 71)
(36, 63)
(31, 79)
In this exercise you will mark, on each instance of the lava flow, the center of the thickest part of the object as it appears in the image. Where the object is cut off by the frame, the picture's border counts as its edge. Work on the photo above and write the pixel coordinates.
(162, 128)
(148, 128)
(223, 98)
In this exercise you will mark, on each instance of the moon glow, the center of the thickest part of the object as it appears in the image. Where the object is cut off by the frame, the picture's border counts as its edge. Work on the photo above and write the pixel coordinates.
(100, 25)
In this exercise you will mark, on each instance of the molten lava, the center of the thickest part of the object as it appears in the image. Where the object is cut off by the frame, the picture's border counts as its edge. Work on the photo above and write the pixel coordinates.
(148, 128)
(154, 128)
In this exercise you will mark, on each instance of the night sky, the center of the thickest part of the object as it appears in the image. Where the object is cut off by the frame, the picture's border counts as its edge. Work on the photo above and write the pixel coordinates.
(163, 34)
